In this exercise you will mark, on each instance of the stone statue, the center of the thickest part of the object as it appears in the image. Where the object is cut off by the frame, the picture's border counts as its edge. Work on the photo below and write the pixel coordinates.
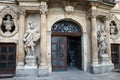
(30, 37)
(8, 24)
(102, 41)
(112, 29)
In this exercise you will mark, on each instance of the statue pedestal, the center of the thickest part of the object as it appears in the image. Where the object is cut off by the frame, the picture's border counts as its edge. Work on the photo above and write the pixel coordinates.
(29, 69)
(30, 62)
(106, 64)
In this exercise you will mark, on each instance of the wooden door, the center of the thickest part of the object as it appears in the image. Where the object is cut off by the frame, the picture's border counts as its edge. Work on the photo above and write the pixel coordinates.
(7, 59)
(59, 52)
(79, 53)
(115, 55)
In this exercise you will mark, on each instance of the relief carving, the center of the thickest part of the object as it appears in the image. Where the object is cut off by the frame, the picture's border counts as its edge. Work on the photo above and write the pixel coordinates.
(113, 29)
(8, 25)
(8, 22)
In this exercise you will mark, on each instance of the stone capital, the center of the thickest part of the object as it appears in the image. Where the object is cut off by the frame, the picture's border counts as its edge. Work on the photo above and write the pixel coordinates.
(107, 18)
(92, 13)
(22, 12)
(43, 7)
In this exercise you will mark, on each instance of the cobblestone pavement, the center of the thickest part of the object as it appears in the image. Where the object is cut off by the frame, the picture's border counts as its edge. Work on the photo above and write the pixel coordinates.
(75, 75)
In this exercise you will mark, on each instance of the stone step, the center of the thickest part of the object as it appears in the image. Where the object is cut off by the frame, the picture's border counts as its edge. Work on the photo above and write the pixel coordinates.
(33, 78)
(28, 78)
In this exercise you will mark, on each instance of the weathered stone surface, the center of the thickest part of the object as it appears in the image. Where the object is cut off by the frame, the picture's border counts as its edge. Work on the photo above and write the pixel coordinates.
(26, 72)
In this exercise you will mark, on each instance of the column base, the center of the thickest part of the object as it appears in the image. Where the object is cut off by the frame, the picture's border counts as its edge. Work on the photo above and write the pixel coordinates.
(43, 71)
(107, 67)
(96, 69)
(104, 66)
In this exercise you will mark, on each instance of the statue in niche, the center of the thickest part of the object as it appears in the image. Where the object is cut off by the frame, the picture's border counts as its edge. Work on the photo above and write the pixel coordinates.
(102, 40)
(112, 28)
(30, 37)
(8, 23)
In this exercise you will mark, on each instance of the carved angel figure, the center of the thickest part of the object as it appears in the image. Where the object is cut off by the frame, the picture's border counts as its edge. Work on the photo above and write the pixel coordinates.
(30, 37)
(8, 24)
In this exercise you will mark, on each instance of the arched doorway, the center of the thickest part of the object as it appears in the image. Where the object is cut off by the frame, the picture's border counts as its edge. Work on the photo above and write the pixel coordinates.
(66, 45)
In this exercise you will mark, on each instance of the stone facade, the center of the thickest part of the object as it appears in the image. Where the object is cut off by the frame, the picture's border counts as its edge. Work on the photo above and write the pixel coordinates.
(32, 21)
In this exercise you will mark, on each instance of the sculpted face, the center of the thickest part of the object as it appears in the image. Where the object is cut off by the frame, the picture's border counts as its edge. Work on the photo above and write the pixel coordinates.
(8, 17)
(30, 25)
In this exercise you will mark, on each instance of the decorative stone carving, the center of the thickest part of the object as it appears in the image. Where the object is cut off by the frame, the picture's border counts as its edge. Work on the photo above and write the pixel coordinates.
(69, 8)
(30, 37)
(43, 7)
(102, 39)
(8, 24)
(8, 21)
(113, 28)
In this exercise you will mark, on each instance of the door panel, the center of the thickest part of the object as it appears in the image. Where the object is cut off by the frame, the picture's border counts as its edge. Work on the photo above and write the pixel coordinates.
(7, 58)
(115, 55)
(59, 53)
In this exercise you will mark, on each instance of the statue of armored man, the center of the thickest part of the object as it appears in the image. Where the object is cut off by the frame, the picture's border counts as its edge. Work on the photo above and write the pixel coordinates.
(31, 36)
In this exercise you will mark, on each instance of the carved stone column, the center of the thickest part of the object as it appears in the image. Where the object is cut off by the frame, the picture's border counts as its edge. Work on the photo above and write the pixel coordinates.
(21, 53)
(94, 40)
(43, 68)
(95, 65)
(43, 39)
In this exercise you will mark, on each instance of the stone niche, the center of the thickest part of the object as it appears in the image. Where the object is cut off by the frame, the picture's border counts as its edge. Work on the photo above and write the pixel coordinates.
(31, 47)
(33, 24)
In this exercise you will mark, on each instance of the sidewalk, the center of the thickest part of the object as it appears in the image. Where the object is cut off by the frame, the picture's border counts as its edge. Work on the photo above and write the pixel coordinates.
(74, 75)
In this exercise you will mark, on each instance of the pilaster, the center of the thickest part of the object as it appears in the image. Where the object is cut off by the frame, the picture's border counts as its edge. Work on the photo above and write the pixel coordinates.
(43, 68)
(95, 66)
(43, 39)
(21, 34)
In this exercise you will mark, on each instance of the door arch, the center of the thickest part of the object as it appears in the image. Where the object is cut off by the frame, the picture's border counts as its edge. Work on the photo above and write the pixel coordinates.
(65, 35)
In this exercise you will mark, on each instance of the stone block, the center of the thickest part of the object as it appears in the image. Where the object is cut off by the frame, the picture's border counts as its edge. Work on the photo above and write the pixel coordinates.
(26, 72)
(107, 67)
(96, 69)
(43, 72)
